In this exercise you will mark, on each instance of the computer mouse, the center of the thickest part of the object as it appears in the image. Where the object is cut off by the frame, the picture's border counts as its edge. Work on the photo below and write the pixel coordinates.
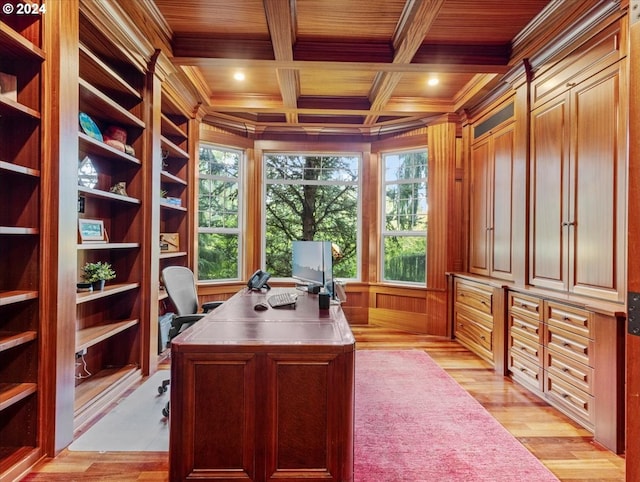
(261, 307)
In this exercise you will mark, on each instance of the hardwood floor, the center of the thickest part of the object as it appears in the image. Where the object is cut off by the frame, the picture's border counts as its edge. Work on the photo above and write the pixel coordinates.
(563, 446)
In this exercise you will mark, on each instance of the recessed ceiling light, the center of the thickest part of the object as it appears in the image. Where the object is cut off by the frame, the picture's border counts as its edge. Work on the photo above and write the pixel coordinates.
(238, 76)
(433, 81)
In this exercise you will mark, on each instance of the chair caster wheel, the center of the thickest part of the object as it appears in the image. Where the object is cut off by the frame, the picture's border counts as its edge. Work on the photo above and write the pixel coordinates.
(162, 389)
(165, 411)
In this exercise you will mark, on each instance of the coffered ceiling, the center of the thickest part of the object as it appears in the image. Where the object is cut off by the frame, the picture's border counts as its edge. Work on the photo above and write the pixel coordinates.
(350, 66)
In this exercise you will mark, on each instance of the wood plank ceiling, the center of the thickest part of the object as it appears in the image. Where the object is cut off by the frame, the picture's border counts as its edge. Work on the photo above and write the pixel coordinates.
(347, 66)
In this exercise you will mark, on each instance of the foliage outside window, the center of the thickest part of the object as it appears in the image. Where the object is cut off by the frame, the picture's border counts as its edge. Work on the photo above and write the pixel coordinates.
(404, 226)
(312, 197)
(219, 218)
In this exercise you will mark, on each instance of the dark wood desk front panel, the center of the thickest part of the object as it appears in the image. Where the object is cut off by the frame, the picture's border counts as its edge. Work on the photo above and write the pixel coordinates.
(262, 396)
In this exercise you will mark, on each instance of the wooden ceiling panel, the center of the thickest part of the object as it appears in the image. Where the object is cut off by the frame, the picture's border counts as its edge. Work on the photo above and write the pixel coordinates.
(258, 80)
(218, 17)
(486, 22)
(359, 65)
(414, 84)
(348, 19)
(335, 83)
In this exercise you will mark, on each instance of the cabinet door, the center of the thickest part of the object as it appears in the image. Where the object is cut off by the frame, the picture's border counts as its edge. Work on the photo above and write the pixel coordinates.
(490, 249)
(480, 208)
(502, 201)
(549, 197)
(598, 186)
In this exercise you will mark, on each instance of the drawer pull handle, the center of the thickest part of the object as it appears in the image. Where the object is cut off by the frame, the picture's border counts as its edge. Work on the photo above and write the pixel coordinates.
(523, 348)
(565, 369)
(482, 337)
(566, 396)
(523, 369)
(524, 327)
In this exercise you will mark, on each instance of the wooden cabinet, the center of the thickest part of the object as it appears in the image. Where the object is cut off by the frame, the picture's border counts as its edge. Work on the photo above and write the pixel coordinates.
(578, 189)
(109, 341)
(21, 283)
(526, 331)
(568, 361)
(557, 350)
(491, 200)
(473, 317)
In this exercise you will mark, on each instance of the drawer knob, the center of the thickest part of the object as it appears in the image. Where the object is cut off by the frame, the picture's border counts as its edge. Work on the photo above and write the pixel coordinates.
(567, 345)
(565, 369)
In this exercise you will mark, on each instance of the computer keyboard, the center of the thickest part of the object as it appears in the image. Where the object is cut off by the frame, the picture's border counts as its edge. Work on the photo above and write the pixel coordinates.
(282, 300)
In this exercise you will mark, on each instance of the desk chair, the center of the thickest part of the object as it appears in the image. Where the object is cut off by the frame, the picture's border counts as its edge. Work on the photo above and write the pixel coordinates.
(181, 288)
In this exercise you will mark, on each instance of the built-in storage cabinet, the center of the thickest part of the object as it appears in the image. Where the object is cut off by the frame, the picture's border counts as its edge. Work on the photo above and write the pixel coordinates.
(473, 317)
(525, 340)
(557, 350)
(21, 65)
(577, 182)
(491, 197)
(569, 360)
(108, 341)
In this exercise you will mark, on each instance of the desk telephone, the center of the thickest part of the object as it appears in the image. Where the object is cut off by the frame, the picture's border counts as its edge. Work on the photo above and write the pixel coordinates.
(258, 280)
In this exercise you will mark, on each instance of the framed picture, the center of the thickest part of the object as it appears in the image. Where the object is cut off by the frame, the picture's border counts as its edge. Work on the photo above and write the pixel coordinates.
(92, 231)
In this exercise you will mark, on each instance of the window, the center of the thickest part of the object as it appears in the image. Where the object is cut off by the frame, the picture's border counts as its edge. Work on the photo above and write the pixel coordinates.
(312, 197)
(404, 217)
(219, 213)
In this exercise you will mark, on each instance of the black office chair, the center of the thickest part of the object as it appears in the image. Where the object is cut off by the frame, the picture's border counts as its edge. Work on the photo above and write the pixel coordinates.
(181, 288)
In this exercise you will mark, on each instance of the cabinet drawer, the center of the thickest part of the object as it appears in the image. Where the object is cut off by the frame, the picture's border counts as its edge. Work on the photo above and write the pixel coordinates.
(525, 306)
(475, 297)
(475, 334)
(526, 372)
(569, 344)
(524, 327)
(525, 347)
(569, 318)
(577, 374)
(566, 397)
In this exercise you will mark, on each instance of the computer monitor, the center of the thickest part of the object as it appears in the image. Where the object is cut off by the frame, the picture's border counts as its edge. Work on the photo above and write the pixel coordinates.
(312, 263)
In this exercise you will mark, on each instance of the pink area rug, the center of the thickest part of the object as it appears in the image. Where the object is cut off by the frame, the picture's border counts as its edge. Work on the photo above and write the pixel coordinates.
(414, 423)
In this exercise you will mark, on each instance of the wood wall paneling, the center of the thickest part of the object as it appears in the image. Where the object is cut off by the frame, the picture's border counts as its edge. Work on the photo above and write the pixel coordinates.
(633, 342)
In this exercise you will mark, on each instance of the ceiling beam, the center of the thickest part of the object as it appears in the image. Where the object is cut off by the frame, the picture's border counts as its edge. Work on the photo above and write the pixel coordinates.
(444, 67)
(280, 19)
(414, 23)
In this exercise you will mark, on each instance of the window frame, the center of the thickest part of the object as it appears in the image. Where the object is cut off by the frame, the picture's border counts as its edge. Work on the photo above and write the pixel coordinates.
(240, 229)
(359, 184)
(384, 233)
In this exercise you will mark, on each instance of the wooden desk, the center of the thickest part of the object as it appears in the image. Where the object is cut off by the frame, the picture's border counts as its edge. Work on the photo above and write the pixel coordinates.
(263, 395)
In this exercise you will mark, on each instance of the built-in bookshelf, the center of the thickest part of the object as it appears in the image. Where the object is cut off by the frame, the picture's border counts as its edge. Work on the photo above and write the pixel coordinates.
(174, 181)
(111, 194)
(21, 322)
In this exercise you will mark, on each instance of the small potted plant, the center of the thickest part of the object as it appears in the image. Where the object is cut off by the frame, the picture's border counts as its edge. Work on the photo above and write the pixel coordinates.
(97, 273)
